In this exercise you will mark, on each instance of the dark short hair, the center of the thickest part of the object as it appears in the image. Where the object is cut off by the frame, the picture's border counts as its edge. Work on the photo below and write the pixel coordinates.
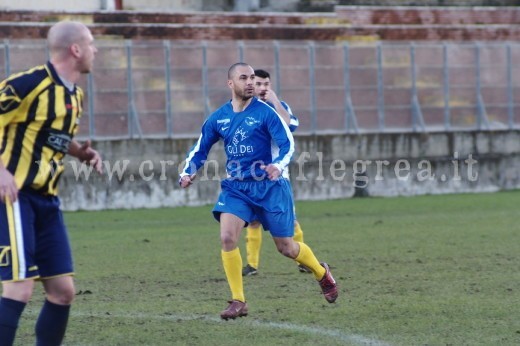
(233, 67)
(262, 73)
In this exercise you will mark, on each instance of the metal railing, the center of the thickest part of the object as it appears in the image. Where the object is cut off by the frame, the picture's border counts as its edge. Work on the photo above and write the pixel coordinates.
(167, 88)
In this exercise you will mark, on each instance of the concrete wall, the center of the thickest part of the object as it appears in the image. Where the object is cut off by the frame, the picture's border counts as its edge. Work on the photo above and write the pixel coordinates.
(149, 5)
(323, 168)
(240, 5)
(430, 2)
(348, 23)
(402, 15)
(56, 5)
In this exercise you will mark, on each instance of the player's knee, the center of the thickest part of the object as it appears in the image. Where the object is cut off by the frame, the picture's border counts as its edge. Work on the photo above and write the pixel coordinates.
(287, 253)
(286, 250)
(60, 291)
(63, 296)
(21, 291)
(228, 240)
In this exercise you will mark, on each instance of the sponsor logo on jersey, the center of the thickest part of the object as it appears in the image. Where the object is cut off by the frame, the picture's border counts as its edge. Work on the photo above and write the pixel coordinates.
(239, 136)
(238, 148)
(59, 141)
(223, 121)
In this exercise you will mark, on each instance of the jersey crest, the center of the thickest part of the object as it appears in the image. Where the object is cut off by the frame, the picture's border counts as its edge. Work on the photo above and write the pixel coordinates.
(9, 100)
(250, 121)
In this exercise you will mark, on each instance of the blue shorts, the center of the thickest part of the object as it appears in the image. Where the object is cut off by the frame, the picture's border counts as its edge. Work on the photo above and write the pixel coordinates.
(269, 202)
(255, 218)
(33, 239)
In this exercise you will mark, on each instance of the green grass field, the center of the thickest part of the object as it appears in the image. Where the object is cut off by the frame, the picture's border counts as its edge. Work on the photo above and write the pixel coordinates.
(429, 270)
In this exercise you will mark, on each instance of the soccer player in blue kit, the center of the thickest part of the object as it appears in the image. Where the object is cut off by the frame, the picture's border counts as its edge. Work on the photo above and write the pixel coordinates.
(252, 189)
(40, 111)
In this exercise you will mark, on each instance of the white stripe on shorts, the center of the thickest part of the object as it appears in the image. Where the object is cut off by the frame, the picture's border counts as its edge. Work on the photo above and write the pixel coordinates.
(22, 270)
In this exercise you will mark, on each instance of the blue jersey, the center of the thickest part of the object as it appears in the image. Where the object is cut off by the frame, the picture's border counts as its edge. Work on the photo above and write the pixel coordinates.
(247, 137)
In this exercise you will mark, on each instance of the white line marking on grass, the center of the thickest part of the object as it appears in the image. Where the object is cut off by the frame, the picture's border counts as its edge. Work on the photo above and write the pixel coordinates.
(335, 334)
(332, 333)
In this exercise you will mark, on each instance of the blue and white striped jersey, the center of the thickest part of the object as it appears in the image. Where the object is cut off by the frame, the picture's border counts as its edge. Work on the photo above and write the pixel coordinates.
(294, 123)
(247, 140)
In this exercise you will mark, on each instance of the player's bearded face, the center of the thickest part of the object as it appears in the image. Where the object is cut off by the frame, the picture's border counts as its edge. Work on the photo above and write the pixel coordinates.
(88, 53)
(243, 92)
(244, 89)
(242, 83)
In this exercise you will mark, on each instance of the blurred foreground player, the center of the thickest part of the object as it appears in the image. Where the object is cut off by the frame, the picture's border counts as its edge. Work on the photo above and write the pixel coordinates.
(39, 115)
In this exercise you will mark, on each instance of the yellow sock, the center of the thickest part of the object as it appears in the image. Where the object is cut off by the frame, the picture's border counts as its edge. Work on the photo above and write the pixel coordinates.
(307, 258)
(253, 245)
(232, 262)
(298, 233)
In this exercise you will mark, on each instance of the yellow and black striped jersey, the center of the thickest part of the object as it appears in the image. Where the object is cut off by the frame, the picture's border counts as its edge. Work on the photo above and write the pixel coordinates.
(38, 118)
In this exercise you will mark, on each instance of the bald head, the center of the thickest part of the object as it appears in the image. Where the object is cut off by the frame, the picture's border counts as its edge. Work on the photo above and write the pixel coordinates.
(64, 34)
(72, 49)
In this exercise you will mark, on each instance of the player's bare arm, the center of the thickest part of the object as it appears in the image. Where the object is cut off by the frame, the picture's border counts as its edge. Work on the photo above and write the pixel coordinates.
(85, 153)
(8, 188)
